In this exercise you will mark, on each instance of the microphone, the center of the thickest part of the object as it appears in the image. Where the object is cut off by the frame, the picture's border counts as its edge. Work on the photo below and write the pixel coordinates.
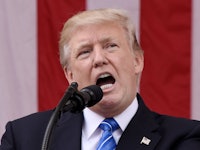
(75, 101)
(92, 95)
(86, 97)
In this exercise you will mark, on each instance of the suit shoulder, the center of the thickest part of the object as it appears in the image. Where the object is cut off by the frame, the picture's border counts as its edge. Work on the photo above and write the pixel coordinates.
(35, 117)
(31, 123)
(25, 130)
(176, 124)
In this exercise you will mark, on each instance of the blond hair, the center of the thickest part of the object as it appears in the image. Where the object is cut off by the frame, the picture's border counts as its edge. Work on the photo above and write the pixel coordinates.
(97, 16)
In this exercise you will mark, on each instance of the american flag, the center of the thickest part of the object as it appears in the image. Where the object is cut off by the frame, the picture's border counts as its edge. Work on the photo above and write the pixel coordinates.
(32, 80)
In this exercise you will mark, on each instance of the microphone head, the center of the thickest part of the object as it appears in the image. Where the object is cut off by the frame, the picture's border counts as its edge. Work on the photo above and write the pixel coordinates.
(95, 93)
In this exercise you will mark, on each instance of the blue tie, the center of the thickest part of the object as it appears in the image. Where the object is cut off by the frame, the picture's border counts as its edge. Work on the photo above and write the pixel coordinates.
(107, 141)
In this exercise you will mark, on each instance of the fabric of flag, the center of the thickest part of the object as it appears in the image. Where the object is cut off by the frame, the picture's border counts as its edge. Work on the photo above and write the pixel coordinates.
(32, 80)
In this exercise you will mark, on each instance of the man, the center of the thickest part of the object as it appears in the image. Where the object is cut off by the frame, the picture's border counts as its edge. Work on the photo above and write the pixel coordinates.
(100, 47)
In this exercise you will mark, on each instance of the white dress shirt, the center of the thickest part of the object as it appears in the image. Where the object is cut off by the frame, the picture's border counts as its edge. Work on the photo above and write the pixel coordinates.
(91, 134)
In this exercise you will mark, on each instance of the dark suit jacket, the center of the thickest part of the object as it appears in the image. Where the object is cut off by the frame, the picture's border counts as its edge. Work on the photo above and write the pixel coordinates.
(161, 132)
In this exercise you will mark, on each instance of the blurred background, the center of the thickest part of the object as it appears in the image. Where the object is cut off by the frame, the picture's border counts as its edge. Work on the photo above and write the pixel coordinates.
(32, 80)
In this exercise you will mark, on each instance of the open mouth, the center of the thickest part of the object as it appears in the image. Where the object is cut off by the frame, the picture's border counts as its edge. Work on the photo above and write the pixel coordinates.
(105, 81)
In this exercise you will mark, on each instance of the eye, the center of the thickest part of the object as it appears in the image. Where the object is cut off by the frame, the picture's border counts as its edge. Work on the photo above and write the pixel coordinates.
(83, 54)
(111, 46)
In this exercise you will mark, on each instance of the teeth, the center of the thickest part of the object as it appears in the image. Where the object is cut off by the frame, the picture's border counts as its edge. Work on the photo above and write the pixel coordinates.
(103, 87)
(104, 75)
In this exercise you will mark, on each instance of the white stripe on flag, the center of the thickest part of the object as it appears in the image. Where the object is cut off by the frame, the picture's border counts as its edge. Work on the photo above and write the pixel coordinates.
(17, 60)
(133, 7)
(195, 89)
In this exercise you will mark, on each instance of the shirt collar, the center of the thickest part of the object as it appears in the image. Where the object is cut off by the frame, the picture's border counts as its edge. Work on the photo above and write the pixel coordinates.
(92, 121)
(125, 117)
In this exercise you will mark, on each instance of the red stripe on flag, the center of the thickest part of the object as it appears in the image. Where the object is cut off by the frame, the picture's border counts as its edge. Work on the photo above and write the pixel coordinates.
(51, 80)
(166, 40)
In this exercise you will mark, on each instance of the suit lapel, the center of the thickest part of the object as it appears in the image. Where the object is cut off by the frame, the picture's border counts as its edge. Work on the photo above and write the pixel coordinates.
(142, 131)
(67, 134)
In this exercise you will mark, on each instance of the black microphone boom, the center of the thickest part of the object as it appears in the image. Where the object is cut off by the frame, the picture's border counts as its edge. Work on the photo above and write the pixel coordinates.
(74, 101)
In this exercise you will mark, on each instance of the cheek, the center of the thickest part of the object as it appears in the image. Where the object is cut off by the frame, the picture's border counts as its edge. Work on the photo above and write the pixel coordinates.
(127, 64)
(127, 72)
(81, 70)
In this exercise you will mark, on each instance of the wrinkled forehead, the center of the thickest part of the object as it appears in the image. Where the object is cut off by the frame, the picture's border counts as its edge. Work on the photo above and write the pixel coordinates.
(101, 33)
(94, 17)
(88, 34)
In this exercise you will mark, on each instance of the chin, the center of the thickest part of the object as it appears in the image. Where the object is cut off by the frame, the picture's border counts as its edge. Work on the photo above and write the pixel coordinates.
(107, 103)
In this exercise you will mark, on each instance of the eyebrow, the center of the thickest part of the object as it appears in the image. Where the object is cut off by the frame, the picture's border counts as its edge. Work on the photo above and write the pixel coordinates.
(84, 43)
(106, 40)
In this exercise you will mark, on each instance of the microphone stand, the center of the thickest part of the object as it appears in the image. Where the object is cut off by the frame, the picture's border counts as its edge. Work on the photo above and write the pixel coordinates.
(63, 104)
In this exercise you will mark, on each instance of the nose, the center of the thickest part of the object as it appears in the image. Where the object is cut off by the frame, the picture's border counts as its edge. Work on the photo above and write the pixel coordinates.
(99, 58)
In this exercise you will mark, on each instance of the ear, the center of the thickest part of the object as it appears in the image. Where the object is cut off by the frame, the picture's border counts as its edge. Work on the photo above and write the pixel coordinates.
(138, 62)
(68, 74)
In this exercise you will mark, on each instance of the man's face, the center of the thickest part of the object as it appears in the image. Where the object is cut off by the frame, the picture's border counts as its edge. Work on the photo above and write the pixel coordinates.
(100, 54)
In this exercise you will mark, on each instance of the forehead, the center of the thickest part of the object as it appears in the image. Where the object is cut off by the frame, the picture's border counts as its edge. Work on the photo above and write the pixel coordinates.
(97, 33)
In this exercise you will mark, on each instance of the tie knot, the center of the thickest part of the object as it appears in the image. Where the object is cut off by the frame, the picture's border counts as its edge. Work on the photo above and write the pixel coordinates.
(109, 124)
